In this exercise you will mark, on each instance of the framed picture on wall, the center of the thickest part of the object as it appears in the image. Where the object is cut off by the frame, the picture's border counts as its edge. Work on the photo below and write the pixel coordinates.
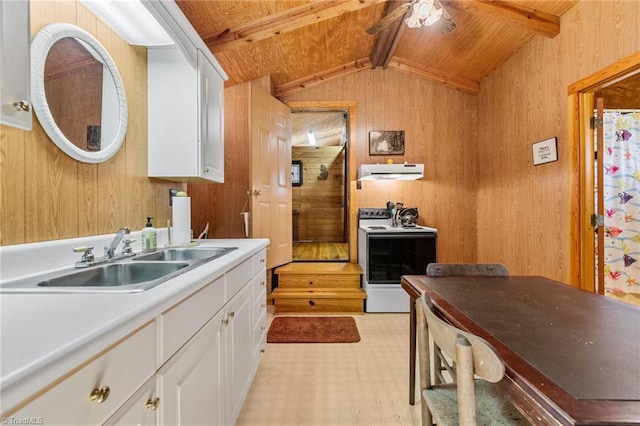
(296, 173)
(545, 151)
(386, 142)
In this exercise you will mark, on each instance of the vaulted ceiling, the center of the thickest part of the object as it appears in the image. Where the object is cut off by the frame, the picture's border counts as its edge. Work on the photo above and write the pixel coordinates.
(306, 42)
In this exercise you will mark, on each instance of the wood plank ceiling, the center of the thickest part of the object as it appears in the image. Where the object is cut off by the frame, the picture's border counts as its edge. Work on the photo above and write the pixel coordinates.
(305, 42)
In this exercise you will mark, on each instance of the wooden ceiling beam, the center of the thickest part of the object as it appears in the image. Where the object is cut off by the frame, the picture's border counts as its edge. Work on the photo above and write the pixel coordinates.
(282, 22)
(319, 78)
(387, 39)
(459, 83)
(533, 20)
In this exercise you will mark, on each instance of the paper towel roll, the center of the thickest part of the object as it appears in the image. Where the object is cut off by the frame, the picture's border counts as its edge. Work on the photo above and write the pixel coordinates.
(181, 220)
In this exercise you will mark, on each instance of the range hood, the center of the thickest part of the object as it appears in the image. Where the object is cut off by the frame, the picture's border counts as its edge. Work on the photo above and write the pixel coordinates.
(391, 171)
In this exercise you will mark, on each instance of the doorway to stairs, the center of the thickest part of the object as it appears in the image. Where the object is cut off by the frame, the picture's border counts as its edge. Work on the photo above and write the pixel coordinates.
(319, 152)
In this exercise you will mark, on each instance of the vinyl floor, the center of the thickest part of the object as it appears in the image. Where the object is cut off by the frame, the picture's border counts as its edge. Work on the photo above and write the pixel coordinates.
(364, 383)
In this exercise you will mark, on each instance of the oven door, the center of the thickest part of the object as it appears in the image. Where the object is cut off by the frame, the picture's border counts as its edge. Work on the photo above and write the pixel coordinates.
(391, 255)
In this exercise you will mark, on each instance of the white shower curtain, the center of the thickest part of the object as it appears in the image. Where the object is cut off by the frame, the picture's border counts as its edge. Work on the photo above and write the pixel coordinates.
(621, 163)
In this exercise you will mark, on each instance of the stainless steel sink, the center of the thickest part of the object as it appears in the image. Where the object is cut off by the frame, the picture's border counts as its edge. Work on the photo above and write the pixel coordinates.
(173, 255)
(130, 275)
(114, 275)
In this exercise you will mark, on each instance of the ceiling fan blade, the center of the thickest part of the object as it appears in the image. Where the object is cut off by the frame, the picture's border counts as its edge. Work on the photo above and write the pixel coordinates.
(388, 19)
(446, 23)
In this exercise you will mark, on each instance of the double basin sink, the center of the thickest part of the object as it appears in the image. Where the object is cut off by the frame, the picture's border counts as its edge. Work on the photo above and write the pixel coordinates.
(134, 274)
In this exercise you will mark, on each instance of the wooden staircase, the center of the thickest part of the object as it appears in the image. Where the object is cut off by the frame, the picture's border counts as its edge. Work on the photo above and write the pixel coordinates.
(319, 288)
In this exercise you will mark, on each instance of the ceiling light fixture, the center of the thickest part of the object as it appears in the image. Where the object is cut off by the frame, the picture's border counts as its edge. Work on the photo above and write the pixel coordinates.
(131, 20)
(424, 13)
(311, 137)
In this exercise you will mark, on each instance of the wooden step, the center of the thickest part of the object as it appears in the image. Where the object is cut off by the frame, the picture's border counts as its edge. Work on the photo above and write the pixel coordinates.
(319, 287)
(315, 268)
(325, 301)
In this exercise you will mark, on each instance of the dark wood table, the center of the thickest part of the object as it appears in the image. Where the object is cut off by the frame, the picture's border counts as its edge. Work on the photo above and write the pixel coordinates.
(571, 357)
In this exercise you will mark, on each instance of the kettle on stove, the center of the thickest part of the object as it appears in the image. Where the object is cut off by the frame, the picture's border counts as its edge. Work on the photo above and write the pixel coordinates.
(408, 217)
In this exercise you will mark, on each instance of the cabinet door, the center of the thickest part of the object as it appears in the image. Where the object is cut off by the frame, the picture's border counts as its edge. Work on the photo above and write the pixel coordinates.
(15, 69)
(212, 120)
(141, 409)
(191, 382)
(239, 334)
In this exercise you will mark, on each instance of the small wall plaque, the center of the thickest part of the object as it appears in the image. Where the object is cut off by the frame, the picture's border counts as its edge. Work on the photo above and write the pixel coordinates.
(545, 151)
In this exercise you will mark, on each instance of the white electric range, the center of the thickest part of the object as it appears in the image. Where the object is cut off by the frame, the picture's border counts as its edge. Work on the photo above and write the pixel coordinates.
(387, 252)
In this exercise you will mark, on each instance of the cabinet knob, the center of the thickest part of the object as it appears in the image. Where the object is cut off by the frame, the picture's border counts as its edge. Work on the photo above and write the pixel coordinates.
(310, 282)
(311, 302)
(22, 106)
(152, 404)
(261, 350)
(225, 321)
(205, 170)
(100, 395)
(232, 314)
(262, 283)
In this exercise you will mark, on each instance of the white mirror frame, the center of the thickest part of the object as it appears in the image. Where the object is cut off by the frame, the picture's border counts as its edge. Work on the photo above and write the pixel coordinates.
(40, 46)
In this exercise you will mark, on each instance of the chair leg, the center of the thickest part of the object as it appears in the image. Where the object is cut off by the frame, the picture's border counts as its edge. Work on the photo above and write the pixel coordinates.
(465, 384)
(427, 419)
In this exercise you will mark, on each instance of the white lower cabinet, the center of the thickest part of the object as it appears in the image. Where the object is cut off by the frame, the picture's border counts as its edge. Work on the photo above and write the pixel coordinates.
(141, 409)
(191, 382)
(197, 372)
(94, 391)
(239, 353)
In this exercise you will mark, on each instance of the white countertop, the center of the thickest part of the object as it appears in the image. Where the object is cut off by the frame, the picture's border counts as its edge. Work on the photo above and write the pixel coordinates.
(44, 336)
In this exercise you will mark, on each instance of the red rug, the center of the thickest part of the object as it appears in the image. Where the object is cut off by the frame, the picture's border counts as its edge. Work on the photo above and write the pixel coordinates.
(313, 330)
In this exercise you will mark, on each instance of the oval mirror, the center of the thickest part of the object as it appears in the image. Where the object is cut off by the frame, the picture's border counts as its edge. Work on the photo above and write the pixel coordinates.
(77, 93)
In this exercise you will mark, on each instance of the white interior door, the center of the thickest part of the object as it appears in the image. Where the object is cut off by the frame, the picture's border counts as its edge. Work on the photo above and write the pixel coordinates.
(271, 175)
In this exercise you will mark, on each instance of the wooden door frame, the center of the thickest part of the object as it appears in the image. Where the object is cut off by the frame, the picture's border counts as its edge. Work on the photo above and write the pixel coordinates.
(350, 185)
(581, 158)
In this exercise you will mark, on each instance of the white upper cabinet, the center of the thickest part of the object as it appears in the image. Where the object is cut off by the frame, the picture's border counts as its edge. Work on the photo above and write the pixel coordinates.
(186, 104)
(15, 69)
(186, 134)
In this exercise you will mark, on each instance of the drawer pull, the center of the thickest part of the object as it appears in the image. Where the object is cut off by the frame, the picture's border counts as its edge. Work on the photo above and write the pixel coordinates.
(100, 395)
(152, 404)
(311, 302)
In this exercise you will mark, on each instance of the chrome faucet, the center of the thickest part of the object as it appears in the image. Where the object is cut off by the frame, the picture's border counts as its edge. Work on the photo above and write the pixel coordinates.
(110, 251)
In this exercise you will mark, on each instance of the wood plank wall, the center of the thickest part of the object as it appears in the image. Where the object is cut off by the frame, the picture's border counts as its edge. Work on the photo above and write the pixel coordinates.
(523, 210)
(221, 204)
(440, 127)
(46, 195)
(318, 204)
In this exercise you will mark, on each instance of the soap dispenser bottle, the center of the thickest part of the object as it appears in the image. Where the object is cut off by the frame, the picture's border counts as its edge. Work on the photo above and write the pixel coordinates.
(149, 236)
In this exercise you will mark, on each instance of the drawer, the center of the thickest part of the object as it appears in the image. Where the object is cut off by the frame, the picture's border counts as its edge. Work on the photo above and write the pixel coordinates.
(260, 305)
(319, 305)
(183, 320)
(260, 331)
(259, 284)
(115, 375)
(259, 261)
(238, 277)
(319, 281)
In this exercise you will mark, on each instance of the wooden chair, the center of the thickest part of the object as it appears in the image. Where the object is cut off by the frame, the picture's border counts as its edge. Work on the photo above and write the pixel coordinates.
(473, 399)
(440, 363)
